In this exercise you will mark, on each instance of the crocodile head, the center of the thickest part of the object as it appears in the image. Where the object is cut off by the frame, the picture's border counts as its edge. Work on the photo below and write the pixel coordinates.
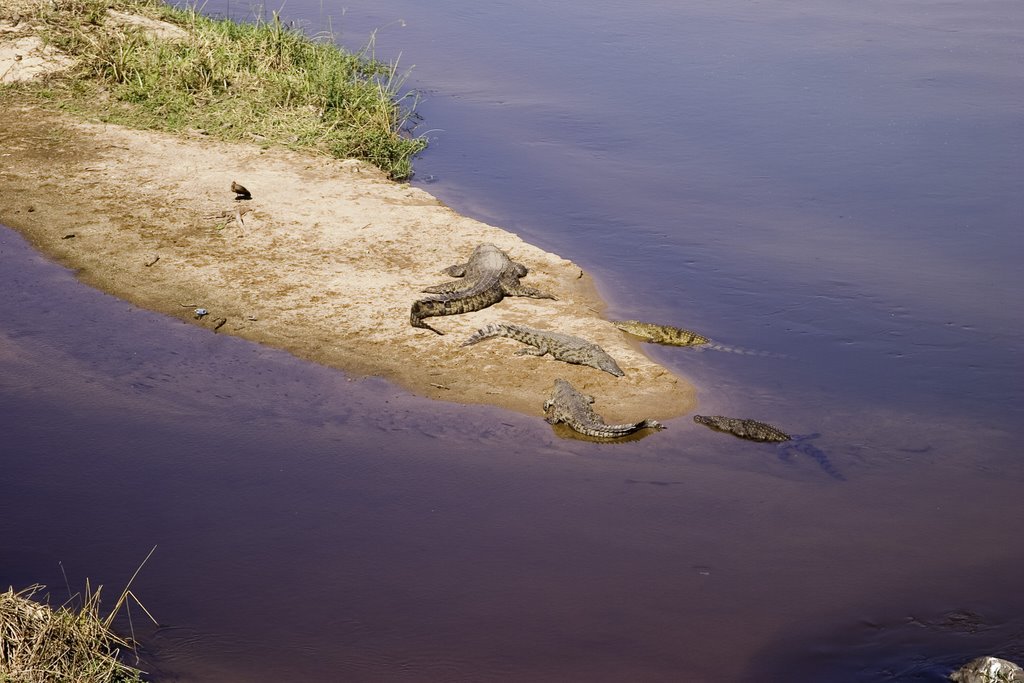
(608, 364)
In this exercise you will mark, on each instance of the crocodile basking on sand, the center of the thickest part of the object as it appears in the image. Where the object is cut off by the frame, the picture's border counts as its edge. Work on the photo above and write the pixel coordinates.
(763, 432)
(487, 278)
(572, 408)
(677, 336)
(562, 347)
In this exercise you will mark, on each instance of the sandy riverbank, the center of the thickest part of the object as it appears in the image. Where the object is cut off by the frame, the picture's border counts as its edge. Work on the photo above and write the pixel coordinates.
(324, 262)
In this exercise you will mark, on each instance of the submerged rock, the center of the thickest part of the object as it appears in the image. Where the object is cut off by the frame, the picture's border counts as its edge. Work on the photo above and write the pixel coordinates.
(988, 670)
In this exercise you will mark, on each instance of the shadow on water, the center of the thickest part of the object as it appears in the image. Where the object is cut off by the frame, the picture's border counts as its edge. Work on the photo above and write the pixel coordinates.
(801, 445)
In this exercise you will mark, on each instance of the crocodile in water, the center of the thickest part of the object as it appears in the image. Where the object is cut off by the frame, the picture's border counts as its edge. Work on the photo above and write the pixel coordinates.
(562, 347)
(572, 408)
(745, 429)
(760, 431)
(677, 336)
(488, 277)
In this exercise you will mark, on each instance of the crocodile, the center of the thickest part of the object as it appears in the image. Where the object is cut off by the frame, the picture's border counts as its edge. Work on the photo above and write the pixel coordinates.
(569, 406)
(677, 336)
(488, 277)
(763, 432)
(562, 347)
(745, 429)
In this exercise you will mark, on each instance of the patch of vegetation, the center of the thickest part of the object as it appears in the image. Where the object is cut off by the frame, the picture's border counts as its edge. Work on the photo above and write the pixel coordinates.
(262, 81)
(40, 644)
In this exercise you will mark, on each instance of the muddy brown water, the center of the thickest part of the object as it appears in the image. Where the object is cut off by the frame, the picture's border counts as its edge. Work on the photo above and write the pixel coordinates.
(840, 184)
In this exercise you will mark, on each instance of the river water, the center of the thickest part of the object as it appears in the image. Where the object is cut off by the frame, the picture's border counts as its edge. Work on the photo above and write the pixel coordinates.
(840, 184)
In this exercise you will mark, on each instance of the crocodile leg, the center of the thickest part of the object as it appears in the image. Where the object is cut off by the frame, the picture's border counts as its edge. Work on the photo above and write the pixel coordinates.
(517, 289)
(447, 287)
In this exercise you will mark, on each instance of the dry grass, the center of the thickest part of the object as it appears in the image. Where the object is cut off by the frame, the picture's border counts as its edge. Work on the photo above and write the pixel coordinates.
(71, 643)
(40, 644)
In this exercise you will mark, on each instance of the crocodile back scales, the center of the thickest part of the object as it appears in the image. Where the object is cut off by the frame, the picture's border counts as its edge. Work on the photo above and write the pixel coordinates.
(668, 335)
(563, 347)
(745, 429)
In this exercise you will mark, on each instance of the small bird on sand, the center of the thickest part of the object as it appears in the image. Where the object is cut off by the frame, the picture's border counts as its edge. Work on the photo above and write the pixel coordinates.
(240, 191)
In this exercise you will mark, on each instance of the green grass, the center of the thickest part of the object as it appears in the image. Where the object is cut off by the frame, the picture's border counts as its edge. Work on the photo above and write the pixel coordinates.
(261, 81)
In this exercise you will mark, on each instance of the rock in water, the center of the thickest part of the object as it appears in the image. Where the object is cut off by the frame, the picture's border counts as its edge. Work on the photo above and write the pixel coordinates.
(988, 670)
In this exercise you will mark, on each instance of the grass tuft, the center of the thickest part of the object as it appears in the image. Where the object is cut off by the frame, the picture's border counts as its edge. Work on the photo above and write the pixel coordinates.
(264, 81)
(40, 644)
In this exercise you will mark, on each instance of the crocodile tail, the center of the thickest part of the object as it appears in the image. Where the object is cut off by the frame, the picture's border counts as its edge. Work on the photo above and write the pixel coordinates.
(420, 310)
(607, 431)
(488, 332)
(715, 346)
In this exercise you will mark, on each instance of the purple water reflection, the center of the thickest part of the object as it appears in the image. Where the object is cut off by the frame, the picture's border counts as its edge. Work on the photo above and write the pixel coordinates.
(840, 183)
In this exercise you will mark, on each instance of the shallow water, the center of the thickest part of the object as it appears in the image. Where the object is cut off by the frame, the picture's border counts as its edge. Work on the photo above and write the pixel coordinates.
(841, 184)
